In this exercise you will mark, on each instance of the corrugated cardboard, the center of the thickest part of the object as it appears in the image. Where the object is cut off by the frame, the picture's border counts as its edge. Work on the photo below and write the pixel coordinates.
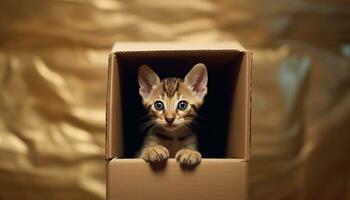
(222, 179)
(213, 179)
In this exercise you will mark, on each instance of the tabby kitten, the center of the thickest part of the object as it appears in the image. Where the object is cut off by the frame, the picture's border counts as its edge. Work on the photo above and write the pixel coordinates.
(172, 105)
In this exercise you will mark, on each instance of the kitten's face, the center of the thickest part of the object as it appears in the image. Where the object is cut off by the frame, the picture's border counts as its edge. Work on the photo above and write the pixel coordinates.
(172, 102)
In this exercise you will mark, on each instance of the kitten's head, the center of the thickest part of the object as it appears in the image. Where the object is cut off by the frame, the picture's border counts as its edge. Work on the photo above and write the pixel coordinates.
(172, 102)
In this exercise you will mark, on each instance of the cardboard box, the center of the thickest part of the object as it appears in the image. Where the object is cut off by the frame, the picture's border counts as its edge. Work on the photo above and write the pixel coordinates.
(224, 144)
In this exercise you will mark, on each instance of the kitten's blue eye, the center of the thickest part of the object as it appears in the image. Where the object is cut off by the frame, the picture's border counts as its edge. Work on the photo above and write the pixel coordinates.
(182, 105)
(158, 105)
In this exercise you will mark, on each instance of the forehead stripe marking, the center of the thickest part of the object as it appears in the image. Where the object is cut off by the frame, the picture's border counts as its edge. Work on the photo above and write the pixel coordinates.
(170, 86)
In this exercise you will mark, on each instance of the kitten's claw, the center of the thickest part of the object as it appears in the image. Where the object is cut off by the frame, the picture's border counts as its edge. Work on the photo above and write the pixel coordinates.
(188, 157)
(155, 154)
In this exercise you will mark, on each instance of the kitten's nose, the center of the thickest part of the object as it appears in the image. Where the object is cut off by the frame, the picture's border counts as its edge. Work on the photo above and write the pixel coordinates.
(170, 119)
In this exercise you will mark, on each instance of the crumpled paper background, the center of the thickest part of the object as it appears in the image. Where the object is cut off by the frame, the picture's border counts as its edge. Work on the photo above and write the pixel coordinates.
(53, 69)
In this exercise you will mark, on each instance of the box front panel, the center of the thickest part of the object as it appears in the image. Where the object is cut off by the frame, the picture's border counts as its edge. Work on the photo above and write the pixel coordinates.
(219, 179)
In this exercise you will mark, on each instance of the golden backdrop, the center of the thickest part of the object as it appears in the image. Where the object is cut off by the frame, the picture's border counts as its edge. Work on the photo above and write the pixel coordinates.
(53, 68)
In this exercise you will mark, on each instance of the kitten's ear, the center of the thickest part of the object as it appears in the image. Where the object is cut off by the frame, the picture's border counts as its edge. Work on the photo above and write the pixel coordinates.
(147, 80)
(197, 78)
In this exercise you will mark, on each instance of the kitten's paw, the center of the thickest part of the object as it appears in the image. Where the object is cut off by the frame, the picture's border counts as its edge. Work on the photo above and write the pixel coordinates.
(188, 157)
(155, 154)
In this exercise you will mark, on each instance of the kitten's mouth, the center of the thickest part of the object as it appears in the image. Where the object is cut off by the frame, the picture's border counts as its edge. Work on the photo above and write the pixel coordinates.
(171, 126)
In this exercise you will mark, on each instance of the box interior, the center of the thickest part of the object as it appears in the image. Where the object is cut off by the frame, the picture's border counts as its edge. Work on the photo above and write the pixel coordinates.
(224, 126)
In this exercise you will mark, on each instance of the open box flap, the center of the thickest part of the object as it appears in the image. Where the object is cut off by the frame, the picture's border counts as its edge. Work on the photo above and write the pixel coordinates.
(114, 140)
(242, 96)
(174, 46)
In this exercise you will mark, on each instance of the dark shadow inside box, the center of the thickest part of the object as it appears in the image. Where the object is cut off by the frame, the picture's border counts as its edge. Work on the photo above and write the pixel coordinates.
(212, 130)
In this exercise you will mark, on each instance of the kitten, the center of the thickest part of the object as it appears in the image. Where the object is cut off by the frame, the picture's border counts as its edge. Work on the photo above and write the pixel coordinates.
(172, 105)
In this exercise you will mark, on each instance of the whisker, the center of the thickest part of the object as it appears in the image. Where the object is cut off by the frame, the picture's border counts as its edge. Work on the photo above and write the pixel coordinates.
(145, 126)
(192, 124)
